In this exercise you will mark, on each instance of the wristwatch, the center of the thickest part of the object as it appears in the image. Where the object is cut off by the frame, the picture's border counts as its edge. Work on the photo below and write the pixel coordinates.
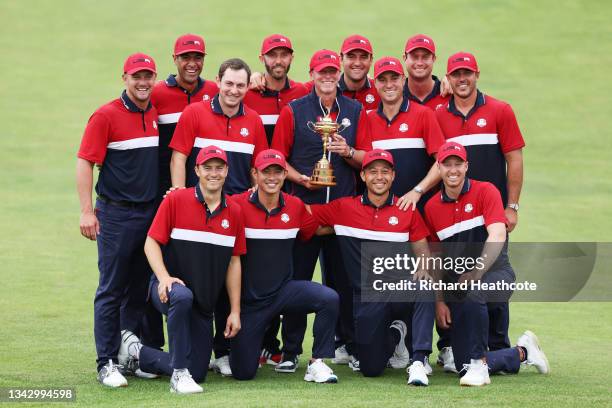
(514, 206)
(418, 189)
(351, 153)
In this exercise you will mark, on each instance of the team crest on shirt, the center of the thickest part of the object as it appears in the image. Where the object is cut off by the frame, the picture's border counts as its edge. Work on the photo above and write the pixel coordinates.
(369, 98)
(244, 132)
(154, 125)
(225, 223)
(393, 220)
(468, 208)
(346, 122)
(285, 218)
(205, 98)
(481, 122)
(403, 127)
(439, 106)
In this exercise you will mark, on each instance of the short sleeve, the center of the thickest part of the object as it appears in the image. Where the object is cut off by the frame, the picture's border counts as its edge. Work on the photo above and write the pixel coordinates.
(492, 207)
(282, 139)
(363, 139)
(418, 229)
(432, 133)
(185, 132)
(510, 137)
(308, 224)
(326, 214)
(164, 220)
(261, 142)
(95, 138)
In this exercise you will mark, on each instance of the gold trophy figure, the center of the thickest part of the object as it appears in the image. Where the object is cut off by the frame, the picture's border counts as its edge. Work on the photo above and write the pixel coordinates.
(323, 173)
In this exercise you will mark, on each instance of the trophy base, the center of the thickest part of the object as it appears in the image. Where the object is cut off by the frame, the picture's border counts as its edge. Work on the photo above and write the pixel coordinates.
(323, 183)
(327, 180)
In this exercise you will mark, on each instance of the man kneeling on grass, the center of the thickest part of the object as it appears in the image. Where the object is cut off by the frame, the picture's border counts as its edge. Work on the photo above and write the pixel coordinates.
(203, 238)
(273, 220)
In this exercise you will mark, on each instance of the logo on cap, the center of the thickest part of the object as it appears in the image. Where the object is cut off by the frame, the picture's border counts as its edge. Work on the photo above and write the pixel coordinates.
(369, 98)
(191, 42)
(327, 56)
(225, 223)
(244, 132)
(468, 208)
(481, 122)
(425, 40)
(403, 127)
(466, 59)
(285, 218)
(393, 220)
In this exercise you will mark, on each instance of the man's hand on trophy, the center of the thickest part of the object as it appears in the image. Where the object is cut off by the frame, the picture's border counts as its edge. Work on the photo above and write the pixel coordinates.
(338, 145)
(305, 182)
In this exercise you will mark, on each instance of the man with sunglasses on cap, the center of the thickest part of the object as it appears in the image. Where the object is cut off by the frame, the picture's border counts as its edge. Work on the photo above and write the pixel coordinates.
(488, 130)
(303, 148)
(373, 217)
(278, 90)
(121, 137)
(273, 222)
(202, 234)
(468, 219)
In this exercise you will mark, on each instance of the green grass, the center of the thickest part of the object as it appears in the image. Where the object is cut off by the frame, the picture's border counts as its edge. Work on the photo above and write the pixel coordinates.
(62, 59)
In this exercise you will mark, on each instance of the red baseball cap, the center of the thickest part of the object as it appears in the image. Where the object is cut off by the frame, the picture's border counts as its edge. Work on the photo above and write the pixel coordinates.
(275, 41)
(461, 60)
(356, 42)
(451, 149)
(388, 64)
(323, 59)
(376, 154)
(210, 152)
(420, 41)
(138, 62)
(189, 43)
(268, 158)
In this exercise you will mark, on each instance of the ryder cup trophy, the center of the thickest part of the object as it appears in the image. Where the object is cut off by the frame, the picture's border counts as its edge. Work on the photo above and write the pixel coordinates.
(323, 173)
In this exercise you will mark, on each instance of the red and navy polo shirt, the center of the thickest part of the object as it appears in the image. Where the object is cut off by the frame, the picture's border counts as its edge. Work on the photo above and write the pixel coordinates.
(242, 137)
(170, 99)
(356, 220)
(199, 243)
(270, 236)
(488, 131)
(433, 101)
(303, 147)
(367, 96)
(412, 137)
(123, 139)
(460, 224)
(268, 103)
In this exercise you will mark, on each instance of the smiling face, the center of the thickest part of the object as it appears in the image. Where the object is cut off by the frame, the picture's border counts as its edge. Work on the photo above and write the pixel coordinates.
(463, 81)
(419, 63)
(270, 180)
(139, 85)
(356, 64)
(378, 177)
(452, 171)
(326, 80)
(233, 87)
(212, 174)
(189, 66)
(390, 86)
(277, 62)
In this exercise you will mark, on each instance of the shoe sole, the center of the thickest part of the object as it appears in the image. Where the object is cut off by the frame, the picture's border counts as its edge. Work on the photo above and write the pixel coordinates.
(173, 391)
(285, 370)
(113, 386)
(475, 385)
(535, 339)
(418, 383)
(340, 361)
(222, 375)
(331, 380)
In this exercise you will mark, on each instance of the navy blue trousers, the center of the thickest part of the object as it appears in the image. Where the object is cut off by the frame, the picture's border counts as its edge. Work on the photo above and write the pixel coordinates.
(471, 326)
(375, 341)
(305, 255)
(294, 297)
(190, 336)
(499, 311)
(120, 299)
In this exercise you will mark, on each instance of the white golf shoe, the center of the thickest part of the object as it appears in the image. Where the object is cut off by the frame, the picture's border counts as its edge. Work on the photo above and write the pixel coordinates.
(319, 372)
(417, 374)
(477, 374)
(535, 355)
(182, 383)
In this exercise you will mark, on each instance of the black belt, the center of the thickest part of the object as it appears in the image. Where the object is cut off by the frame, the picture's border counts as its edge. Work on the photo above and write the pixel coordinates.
(124, 204)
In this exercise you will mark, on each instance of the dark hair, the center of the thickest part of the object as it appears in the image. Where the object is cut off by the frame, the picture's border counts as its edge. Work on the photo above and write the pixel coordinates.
(236, 64)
